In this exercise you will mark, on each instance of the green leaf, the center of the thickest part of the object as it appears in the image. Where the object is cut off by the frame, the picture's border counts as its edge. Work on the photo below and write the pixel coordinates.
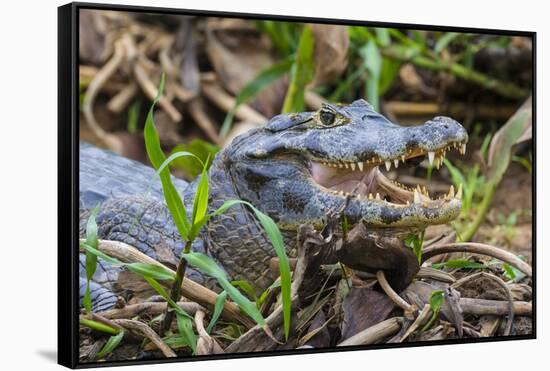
(151, 270)
(200, 203)
(247, 288)
(160, 290)
(87, 300)
(218, 307)
(157, 158)
(100, 254)
(206, 265)
(372, 60)
(388, 73)
(459, 264)
(359, 34)
(250, 90)
(415, 242)
(200, 223)
(91, 259)
(444, 40)
(176, 155)
(509, 271)
(262, 298)
(458, 179)
(276, 239)
(437, 300)
(202, 149)
(383, 36)
(111, 344)
(185, 327)
(98, 326)
(133, 115)
(301, 73)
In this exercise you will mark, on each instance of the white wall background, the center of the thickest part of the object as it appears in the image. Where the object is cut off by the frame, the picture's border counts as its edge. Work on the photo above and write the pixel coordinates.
(28, 182)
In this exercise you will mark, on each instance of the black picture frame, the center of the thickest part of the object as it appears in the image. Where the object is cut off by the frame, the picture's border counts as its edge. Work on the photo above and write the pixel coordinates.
(68, 177)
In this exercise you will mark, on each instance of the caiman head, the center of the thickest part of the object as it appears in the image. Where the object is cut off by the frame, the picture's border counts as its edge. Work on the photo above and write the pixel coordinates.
(300, 168)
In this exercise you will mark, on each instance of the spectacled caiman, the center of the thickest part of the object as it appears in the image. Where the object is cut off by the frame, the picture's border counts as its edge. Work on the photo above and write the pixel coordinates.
(296, 168)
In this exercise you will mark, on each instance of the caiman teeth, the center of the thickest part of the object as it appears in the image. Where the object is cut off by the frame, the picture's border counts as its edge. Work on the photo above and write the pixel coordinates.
(451, 193)
(388, 165)
(463, 149)
(416, 197)
(431, 156)
(353, 166)
(360, 165)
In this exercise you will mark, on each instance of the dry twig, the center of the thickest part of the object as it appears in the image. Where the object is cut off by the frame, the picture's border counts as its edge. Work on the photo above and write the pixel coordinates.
(144, 330)
(478, 248)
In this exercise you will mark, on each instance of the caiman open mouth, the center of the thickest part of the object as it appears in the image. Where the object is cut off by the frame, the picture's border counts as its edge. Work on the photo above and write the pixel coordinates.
(363, 180)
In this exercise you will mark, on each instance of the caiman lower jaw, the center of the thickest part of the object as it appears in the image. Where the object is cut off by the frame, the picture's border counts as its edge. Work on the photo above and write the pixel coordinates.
(365, 182)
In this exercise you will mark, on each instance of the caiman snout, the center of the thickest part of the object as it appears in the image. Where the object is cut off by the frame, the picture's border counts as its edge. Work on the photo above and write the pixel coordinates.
(437, 132)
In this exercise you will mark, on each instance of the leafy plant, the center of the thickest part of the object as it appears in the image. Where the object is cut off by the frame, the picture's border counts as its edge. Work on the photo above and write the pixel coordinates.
(91, 259)
(189, 229)
(459, 264)
(203, 150)
(373, 63)
(250, 90)
(301, 73)
(110, 345)
(436, 302)
(415, 242)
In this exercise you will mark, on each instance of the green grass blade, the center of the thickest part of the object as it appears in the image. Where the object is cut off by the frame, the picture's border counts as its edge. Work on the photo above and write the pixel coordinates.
(264, 294)
(100, 254)
(98, 326)
(459, 264)
(200, 203)
(301, 72)
(111, 345)
(160, 290)
(250, 90)
(202, 149)
(246, 288)
(276, 239)
(444, 40)
(87, 300)
(157, 158)
(205, 264)
(175, 156)
(372, 59)
(457, 176)
(220, 300)
(91, 259)
(133, 115)
(185, 327)
(151, 270)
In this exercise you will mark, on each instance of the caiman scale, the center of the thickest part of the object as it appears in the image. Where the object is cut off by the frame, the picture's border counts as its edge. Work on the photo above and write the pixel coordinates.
(296, 168)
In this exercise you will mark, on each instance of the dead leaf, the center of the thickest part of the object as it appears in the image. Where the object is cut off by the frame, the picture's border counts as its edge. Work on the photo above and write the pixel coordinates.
(516, 129)
(238, 55)
(363, 308)
(331, 51)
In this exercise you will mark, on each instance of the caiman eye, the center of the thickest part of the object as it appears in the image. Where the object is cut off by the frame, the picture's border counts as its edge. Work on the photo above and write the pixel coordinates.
(327, 118)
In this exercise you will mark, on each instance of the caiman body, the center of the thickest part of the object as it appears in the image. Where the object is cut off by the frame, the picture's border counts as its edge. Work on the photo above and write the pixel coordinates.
(298, 168)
